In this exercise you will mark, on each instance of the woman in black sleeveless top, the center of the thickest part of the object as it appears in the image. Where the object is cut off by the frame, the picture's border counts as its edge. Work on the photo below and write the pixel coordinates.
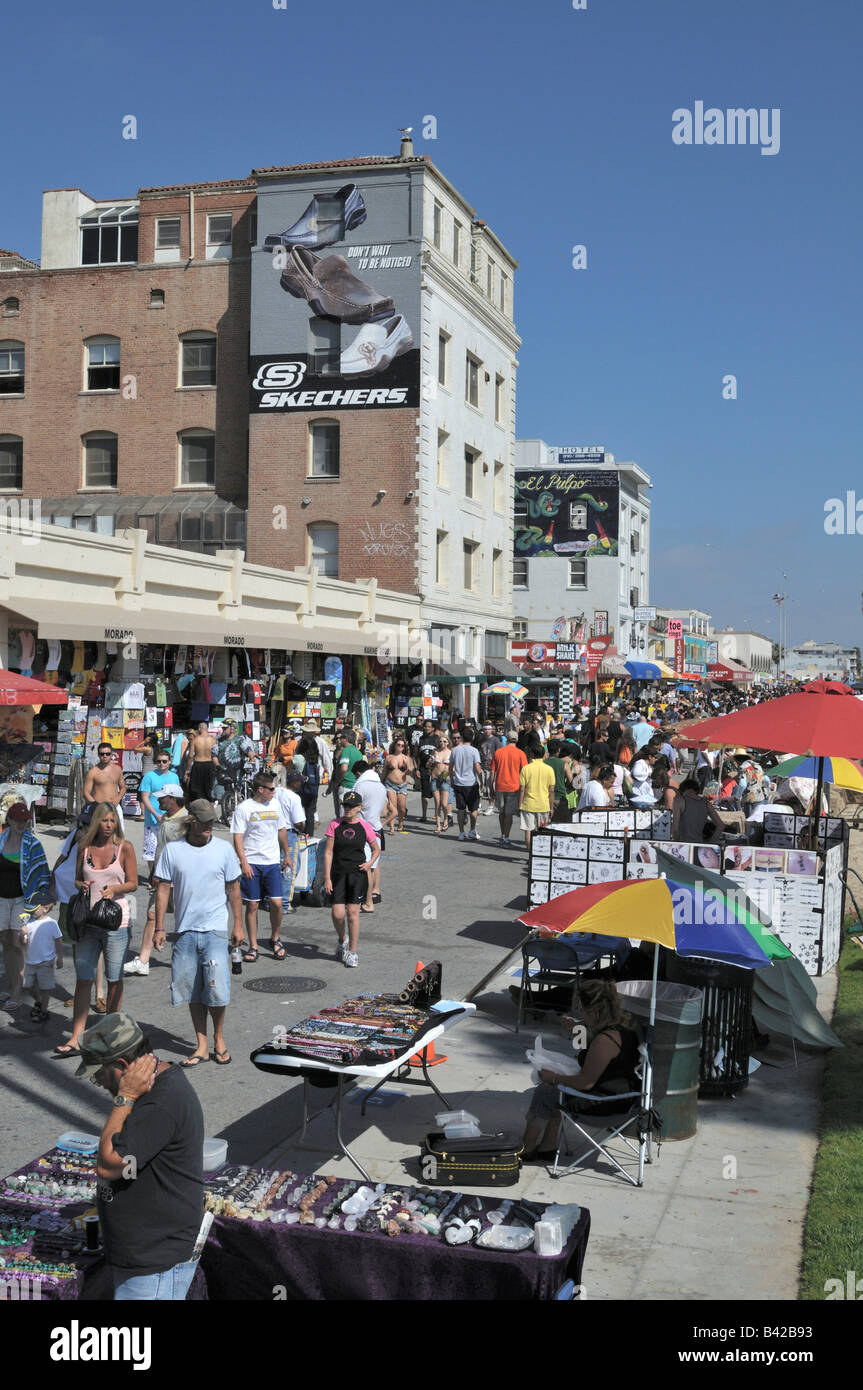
(607, 1069)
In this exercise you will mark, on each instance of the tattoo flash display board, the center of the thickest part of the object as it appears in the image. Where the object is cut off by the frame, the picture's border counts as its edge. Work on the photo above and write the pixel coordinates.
(648, 824)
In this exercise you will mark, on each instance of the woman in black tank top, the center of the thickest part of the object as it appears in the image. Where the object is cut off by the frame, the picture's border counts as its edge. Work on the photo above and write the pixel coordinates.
(607, 1070)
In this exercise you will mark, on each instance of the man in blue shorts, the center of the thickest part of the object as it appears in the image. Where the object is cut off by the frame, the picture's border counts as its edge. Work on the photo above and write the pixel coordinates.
(260, 832)
(205, 875)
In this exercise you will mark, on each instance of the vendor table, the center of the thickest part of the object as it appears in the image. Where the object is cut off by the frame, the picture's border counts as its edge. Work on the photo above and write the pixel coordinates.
(271, 1058)
(252, 1260)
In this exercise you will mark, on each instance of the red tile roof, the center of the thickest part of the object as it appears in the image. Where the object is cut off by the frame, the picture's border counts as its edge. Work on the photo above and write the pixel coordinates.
(346, 163)
(196, 187)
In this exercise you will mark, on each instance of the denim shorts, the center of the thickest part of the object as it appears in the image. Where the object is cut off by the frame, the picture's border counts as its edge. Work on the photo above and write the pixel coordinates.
(170, 1286)
(266, 882)
(439, 784)
(115, 944)
(201, 969)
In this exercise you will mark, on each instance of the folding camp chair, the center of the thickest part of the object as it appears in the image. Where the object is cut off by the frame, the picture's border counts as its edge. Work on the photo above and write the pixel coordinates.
(560, 964)
(636, 1113)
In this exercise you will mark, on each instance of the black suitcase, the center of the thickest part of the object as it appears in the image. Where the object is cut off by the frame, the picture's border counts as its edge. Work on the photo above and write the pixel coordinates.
(485, 1161)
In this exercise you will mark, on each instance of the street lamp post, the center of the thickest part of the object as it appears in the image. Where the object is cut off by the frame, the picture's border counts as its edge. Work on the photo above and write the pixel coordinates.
(779, 600)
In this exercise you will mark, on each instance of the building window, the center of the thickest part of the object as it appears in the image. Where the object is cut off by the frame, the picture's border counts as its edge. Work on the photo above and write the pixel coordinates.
(10, 305)
(103, 364)
(440, 559)
(470, 462)
(489, 278)
(197, 458)
(502, 293)
(100, 460)
(519, 513)
(110, 237)
(437, 219)
(157, 299)
(167, 234)
(11, 368)
(499, 493)
(471, 380)
(577, 574)
(519, 630)
(577, 516)
(219, 225)
(456, 241)
(498, 399)
(634, 543)
(324, 548)
(11, 463)
(442, 358)
(471, 551)
(633, 598)
(198, 359)
(519, 574)
(324, 450)
(442, 458)
(473, 262)
(496, 573)
(325, 346)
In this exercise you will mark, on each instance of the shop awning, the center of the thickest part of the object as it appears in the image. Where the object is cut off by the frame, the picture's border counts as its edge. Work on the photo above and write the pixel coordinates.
(643, 670)
(666, 672)
(84, 622)
(455, 673)
(498, 667)
(614, 666)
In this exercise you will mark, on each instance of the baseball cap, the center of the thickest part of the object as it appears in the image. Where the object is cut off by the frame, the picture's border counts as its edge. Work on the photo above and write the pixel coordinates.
(113, 1036)
(204, 811)
(170, 789)
(18, 811)
(352, 799)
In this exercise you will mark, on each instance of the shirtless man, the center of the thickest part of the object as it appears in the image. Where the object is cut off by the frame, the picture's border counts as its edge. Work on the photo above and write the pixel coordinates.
(202, 764)
(104, 782)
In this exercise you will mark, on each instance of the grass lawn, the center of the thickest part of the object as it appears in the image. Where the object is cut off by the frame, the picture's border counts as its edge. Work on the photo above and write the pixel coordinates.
(833, 1236)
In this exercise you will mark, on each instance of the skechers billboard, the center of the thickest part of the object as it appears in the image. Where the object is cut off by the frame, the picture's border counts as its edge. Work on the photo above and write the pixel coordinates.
(566, 511)
(335, 319)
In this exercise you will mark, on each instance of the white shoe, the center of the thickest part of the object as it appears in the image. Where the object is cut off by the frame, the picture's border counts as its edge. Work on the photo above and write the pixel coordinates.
(136, 967)
(341, 951)
(473, 835)
(489, 811)
(351, 959)
(375, 346)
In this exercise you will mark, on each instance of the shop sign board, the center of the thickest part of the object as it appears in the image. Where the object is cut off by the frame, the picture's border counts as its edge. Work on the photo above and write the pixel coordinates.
(675, 627)
(644, 614)
(568, 511)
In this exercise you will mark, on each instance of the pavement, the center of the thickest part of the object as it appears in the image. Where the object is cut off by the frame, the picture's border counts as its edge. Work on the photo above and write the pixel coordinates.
(720, 1215)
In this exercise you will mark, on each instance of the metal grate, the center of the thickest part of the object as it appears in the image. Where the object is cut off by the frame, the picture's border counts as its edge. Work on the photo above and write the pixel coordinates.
(282, 984)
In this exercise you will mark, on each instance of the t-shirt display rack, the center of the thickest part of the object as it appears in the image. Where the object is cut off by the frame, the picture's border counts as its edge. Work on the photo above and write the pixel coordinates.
(804, 900)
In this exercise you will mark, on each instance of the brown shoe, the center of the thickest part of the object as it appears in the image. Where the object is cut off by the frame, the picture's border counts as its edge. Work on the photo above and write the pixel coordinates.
(332, 289)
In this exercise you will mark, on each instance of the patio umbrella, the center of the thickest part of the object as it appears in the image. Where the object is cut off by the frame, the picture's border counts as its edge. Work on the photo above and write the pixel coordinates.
(506, 688)
(839, 772)
(16, 689)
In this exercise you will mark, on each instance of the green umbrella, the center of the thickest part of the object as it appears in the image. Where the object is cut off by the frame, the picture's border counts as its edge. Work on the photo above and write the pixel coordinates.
(729, 893)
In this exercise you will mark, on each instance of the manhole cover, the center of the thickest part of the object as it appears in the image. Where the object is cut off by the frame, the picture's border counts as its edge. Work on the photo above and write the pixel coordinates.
(285, 984)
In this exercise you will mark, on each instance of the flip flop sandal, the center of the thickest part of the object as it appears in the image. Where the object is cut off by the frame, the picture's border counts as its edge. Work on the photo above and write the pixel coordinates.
(222, 1059)
(61, 1053)
(278, 950)
(363, 908)
(250, 957)
(194, 1061)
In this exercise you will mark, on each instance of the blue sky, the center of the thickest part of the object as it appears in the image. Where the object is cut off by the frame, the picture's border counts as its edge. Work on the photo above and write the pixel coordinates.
(556, 125)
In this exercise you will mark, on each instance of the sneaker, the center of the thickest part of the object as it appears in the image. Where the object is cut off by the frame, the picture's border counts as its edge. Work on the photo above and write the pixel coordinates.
(462, 836)
(136, 967)
(473, 835)
(489, 811)
(341, 950)
(507, 844)
(351, 959)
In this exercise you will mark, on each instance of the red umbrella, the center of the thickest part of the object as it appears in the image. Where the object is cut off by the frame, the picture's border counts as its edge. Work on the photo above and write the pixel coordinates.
(22, 690)
(822, 721)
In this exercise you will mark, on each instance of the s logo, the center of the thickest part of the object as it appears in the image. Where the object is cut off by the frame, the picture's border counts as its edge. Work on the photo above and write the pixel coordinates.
(279, 376)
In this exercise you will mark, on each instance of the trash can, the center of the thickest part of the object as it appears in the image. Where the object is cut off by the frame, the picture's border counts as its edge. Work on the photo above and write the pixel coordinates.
(675, 1049)
(726, 1025)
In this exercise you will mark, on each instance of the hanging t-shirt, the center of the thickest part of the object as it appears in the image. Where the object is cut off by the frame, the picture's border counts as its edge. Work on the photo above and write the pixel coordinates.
(133, 696)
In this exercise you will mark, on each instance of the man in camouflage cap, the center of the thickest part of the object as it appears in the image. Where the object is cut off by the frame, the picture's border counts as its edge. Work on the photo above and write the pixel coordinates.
(149, 1164)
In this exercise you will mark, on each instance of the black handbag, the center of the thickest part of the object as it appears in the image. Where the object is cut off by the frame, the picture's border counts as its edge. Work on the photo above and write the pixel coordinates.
(487, 1160)
(77, 915)
(106, 914)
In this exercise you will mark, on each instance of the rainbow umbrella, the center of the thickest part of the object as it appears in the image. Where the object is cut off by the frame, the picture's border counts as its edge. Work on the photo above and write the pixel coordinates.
(506, 688)
(841, 772)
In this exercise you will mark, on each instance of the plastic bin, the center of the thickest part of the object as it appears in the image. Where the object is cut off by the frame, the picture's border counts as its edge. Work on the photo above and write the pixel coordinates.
(215, 1154)
(675, 1049)
(726, 1026)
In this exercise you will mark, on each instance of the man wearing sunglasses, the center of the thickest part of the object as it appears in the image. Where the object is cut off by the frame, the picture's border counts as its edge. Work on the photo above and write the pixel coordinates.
(152, 782)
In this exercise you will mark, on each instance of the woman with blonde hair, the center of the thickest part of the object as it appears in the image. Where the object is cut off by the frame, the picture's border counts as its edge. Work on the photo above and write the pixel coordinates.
(607, 1068)
(106, 869)
(439, 780)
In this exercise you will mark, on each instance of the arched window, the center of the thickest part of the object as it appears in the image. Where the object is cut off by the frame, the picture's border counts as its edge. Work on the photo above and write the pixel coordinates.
(11, 305)
(100, 459)
(11, 463)
(324, 547)
(11, 368)
(197, 359)
(102, 363)
(197, 458)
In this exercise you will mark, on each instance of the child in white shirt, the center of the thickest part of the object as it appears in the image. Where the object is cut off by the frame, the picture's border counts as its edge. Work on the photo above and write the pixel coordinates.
(42, 940)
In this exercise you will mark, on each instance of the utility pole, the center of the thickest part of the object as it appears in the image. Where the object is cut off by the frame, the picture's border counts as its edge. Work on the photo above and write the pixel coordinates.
(779, 600)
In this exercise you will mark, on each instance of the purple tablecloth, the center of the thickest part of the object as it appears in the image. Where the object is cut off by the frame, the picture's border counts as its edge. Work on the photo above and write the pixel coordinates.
(252, 1260)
